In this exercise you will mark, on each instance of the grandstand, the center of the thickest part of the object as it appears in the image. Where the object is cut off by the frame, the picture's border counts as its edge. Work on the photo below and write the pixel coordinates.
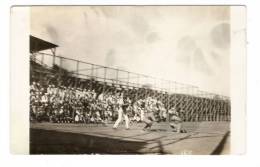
(198, 106)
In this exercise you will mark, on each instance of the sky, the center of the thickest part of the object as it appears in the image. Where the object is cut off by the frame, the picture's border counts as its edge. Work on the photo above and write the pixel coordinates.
(188, 44)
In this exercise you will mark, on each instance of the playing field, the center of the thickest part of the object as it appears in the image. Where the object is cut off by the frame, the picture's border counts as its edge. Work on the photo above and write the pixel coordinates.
(201, 138)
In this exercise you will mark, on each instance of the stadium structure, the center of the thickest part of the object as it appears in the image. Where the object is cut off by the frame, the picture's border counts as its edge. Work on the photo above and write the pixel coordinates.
(212, 111)
(199, 105)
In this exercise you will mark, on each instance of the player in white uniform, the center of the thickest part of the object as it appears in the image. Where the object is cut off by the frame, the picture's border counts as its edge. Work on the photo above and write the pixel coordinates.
(121, 113)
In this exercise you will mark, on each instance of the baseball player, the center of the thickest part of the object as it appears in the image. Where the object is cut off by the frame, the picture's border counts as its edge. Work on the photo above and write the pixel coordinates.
(121, 109)
(175, 120)
(147, 114)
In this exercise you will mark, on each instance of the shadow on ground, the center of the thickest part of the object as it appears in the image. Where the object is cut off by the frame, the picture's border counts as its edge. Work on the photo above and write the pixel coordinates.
(204, 138)
(55, 142)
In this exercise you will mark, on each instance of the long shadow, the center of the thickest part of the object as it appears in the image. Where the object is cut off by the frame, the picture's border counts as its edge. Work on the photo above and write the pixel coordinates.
(133, 137)
(61, 128)
(190, 136)
(194, 137)
(175, 141)
(161, 150)
(54, 142)
(220, 147)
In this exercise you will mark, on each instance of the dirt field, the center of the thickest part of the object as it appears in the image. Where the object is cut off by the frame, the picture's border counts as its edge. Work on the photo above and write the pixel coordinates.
(201, 138)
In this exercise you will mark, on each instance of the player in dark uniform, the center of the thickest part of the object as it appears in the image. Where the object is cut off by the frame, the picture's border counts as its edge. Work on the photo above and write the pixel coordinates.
(148, 114)
(175, 120)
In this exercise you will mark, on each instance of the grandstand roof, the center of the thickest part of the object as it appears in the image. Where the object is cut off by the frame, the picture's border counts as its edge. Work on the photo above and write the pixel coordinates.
(37, 44)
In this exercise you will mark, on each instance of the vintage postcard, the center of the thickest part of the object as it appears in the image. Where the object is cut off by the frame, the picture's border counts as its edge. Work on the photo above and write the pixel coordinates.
(128, 80)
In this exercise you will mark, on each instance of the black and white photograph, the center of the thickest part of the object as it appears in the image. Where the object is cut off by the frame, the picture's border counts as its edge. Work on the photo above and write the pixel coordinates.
(130, 80)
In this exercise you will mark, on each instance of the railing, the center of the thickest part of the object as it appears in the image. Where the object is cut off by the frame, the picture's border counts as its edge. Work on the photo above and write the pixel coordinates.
(116, 76)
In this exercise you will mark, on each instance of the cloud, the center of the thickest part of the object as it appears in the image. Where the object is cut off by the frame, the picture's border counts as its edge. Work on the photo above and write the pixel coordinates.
(139, 25)
(52, 33)
(152, 37)
(216, 57)
(200, 62)
(220, 35)
(187, 43)
(185, 46)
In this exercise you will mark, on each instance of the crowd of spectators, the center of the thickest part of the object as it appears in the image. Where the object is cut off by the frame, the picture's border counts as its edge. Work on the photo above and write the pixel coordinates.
(61, 104)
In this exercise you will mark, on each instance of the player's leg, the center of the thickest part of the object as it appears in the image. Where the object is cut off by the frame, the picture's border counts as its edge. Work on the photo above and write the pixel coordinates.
(176, 126)
(151, 118)
(126, 121)
(145, 120)
(148, 122)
